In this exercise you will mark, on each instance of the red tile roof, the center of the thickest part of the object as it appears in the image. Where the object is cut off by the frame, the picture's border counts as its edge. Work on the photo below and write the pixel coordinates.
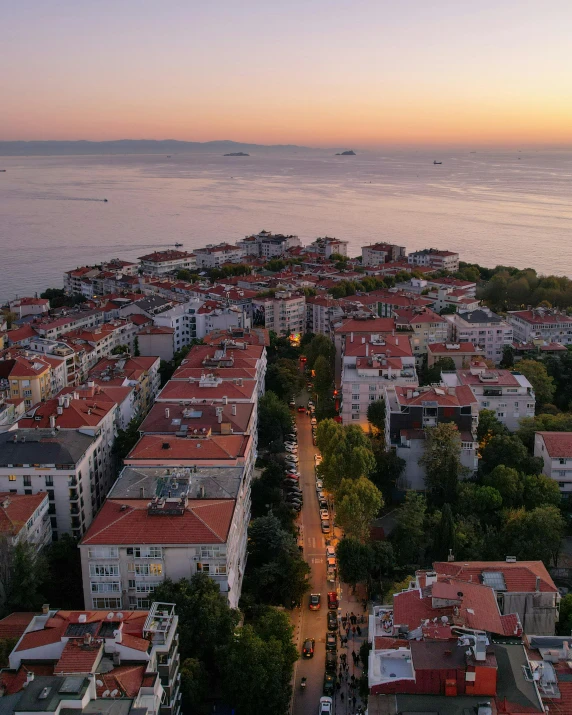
(462, 396)
(128, 679)
(216, 448)
(14, 682)
(205, 521)
(16, 509)
(176, 390)
(520, 576)
(371, 326)
(78, 657)
(395, 345)
(88, 411)
(411, 316)
(162, 256)
(157, 422)
(450, 350)
(538, 317)
(558, 444)
(14, 625)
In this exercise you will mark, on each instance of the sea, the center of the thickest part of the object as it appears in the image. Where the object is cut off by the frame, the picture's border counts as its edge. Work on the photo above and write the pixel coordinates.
(493, 207)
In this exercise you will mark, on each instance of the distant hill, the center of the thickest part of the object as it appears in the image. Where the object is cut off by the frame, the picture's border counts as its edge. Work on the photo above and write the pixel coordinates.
(131, 146)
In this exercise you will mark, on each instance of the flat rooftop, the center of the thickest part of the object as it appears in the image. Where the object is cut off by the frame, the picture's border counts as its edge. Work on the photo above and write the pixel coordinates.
(217, 482)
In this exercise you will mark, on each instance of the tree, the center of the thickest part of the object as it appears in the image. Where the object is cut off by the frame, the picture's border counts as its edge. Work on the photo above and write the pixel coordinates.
(194, 683)
(324, 376)
(387, 470)
(481, 501)
(442, 461)
(564, 625)
(274, 418)
(509, 451)
(542, 423)
(284, 379)
(508, 483)
(320, 346)
(409, 536)
(540, 490)
(469, 538)
(432, 374)
(136, 348)
(61, 580)
(127, 439)
(346, 452)
(120, 349)
(10, 318)
(354, 561)
(358, 501)
(489, 426)
(533, 535)
(507, 357)
(26, 570)
(376, 414)
(542, 383)
(444, 535)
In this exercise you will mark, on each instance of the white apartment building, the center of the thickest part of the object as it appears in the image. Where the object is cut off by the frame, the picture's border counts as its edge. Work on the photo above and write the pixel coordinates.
(326, 245)
(71, 465)
(364, 379)
(446, 297)
(24, 517)
(534, 324)
(321, 312)
(161, 263)
(484, 329)
(29, 306)
(377, 253)
(433, 258)
(196, 318)
(212, 256)
(59, 350)
(555, 450)
(54, 328)
(285, 313)
(423, 326)
(163, 523)
(507, 393)
(267, 244)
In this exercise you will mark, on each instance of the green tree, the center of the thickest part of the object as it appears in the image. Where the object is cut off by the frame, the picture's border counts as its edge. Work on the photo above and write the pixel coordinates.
(194, 684)
(120, 349)
(324, 377)
(509, 451)
(540, 490)
(61, 580)
(387, 469)
(444, 539)
(469, 538)
(409, 537)
(351, 458)
(533, 535)
(26, 570)
(432, 374)
(481, 501)
(508, 483)
(274, 419)
(442, 462)
(376, 414)
(489, 426)
(542, 383)
(354, 561)
(358, 501)
(127, 439)
(136, 348)
(564, 625)
(507, 357)
(320, 346)
(542, 423)
(284, 379)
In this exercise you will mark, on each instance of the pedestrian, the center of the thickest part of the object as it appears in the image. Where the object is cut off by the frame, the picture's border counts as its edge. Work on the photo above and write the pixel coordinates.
(338, 686)
(353, 631)
(353, 678)
(358, 629)
(340, 674)
(354, 700)
(354, 655)
(348, 631)
(342, 696)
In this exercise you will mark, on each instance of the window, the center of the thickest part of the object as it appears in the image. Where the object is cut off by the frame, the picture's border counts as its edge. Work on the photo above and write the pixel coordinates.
(49, 480)
(144, 587)
(562, 473)
(12, 478)
(102, 552)
(103, 570)
(146, 569)
(372, 398)
(355, 397)
(107, 603)
(500, 415)
(212, 552)
(27, 480)
(562, 461)
(373, 388)
(220, 569)
(143, 603)
(355, 415)
(105, 587)
(147, 552)
(204, 568)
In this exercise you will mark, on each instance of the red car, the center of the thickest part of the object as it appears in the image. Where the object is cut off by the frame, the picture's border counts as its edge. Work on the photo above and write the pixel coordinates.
(301, 409)
(333, 600)
(303, 358)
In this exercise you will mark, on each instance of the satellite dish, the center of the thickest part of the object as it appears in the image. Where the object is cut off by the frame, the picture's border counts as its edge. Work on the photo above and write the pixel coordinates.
(110, 616)
(119, 615)
(105, 694)
(99, 683)
(114, 693)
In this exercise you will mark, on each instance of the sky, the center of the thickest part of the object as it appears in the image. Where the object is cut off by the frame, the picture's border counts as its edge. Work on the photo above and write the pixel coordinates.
(357, 73)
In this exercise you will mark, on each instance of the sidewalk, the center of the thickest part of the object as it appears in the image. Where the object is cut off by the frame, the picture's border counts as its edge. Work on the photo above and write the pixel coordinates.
(351, 603)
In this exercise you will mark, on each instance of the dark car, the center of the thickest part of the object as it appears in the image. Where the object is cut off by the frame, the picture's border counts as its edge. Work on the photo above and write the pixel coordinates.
(332, 621)
(308, 648)
(314, 601)
(331, 642)
(333, 600)
(323, 504)
(329, 684)
(331, 662)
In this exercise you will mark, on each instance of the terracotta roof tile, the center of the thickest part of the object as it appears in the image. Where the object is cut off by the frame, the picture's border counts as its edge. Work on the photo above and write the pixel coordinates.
(216, 447)
(78, 657)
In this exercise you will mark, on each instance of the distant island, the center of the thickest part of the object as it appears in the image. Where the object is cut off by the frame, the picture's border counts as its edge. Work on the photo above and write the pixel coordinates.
(346, 153)
(236, 153)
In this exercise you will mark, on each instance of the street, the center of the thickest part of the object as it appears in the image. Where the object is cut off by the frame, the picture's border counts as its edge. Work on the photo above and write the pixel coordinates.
(313, 624)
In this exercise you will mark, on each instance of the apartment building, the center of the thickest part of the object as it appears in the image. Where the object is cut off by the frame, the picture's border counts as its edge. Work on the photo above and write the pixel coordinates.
(268, 245)
(423, 326)
(157, 340)
(462, 354)
(377, 253)
(169, 522)
(484, 329)
(321, 311)
(214, 256)
(449, 298)
(548, 325)
(410, 411)
(507, 393)
(103, 661)
(24, 517)
(555, 450)
(54, 328)
(359, 328)
(285, 313)
(433, 258)
(73, 280)
(160, 263)
(105, 337)
(140, 373)
(10, 411)
(27, 378)
(29, 306)
(388, 301)
(196, 318)
(368, 365)
(58, 350)
(326, 245)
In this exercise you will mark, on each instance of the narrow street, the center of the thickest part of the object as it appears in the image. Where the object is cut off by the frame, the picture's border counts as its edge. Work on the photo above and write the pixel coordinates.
(313, 624)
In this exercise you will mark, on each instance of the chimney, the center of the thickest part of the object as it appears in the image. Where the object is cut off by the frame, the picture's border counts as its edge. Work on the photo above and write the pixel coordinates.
(367, 349)
(537, 584)
(219, 417)
(167, 413)
(233, 409)
(225, 400)
(59, 410)
(351, 337)
(45, 609)
(52, 421)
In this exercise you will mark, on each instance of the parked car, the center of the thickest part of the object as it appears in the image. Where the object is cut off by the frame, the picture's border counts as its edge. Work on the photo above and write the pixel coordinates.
(292, 403)
(318, 459)
(323, 503)
(308, 648)
(332, 621)
(331, 662)
(331, 642)
(330, 552)
(326, 706)
(313, 421)
(290, 482)
(315, 601)
(319, 485)
(329, 684)
(333, 600)
(324, 515)
(325, 527)
(301, 408)
(321, 495)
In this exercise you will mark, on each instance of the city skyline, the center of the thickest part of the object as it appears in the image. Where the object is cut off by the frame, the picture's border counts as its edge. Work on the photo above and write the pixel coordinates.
(319, 74)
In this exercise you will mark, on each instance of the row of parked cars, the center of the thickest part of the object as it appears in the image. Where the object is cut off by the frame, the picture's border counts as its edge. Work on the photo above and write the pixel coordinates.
(331, 645)
(294, 496)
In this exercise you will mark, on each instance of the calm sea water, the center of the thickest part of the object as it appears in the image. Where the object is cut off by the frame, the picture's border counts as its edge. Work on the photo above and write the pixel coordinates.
(493, 208)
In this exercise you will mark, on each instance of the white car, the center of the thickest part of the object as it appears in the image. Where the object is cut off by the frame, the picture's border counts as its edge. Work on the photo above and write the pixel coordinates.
(318, 459)
(326, 706)
(324, 515)
(330, 552)
(313, 421)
